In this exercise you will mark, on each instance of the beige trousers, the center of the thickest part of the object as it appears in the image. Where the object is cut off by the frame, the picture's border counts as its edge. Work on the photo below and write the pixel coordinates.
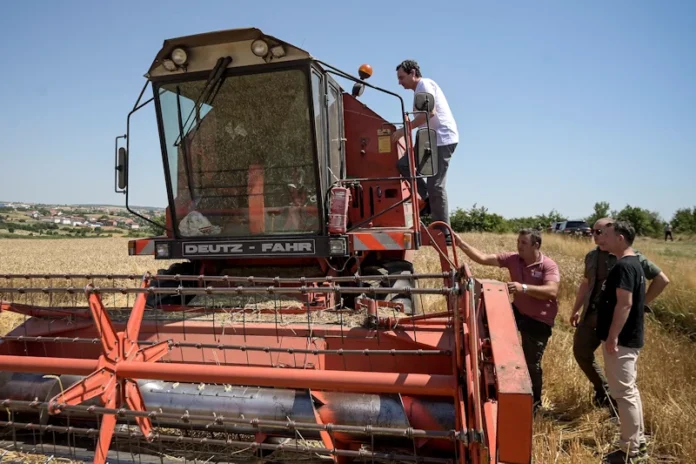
(621, 371)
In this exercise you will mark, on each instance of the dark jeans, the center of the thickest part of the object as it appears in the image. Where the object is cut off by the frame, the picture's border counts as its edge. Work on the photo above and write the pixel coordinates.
(585, 343)
(535, 336)
(668, 234)
(434, 190)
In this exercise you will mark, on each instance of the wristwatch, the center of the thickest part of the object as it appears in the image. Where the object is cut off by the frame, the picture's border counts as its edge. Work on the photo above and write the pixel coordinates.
(524, 288)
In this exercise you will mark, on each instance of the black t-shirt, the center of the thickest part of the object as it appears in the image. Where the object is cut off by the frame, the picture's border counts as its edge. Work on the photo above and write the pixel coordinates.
(626, 274)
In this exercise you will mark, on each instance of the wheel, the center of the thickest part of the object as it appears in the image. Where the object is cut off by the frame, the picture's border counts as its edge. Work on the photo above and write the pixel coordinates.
(404, 268)
(186, 268)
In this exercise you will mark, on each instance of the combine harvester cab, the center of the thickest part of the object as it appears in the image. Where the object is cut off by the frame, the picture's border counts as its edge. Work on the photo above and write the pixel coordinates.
(293, 326)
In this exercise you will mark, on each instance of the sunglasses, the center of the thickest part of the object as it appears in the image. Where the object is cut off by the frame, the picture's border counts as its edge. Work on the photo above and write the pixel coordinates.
(601, 231)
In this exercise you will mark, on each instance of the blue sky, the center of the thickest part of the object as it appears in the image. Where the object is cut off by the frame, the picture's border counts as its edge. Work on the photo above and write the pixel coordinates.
(559, 104)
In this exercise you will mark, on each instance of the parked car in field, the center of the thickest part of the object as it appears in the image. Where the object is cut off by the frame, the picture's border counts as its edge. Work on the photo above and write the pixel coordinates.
(577, 227)
(553, 227)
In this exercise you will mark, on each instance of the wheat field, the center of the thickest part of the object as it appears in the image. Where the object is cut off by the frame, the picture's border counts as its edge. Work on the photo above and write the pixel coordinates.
(570, 430)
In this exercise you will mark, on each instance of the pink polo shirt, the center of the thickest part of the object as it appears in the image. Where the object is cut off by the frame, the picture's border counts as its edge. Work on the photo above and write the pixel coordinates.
(544, 270)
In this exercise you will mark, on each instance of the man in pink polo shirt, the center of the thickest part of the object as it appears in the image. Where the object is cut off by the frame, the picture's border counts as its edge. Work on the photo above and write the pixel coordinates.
(533, 282)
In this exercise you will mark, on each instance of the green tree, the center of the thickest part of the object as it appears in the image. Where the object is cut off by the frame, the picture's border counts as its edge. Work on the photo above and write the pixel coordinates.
(643, 221)
(477, 219)
(601, 209)
(553, 216)
(684, 220)
(157, 230)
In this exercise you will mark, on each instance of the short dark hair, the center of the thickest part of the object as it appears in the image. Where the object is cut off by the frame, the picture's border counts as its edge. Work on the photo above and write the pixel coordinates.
(624, 228)
(408, 66)
(534, 235)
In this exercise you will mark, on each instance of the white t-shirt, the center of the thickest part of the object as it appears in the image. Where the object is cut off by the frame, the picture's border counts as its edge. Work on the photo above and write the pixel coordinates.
(443, 121)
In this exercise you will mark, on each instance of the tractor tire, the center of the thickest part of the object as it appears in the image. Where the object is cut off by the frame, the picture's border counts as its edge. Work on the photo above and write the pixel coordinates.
(186, 268)
(378, 271)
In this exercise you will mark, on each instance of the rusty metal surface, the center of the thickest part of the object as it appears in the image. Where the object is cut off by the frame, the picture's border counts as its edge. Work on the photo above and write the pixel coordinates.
(514, 409)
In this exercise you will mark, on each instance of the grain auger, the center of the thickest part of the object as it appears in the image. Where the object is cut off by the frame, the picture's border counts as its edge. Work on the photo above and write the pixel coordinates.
(292, 325)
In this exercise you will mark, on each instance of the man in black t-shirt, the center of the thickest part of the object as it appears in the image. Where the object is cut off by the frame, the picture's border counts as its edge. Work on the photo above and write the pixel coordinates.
(620, 319)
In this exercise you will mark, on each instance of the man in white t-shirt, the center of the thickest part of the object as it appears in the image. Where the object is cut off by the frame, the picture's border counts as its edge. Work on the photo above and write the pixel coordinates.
(442, 121)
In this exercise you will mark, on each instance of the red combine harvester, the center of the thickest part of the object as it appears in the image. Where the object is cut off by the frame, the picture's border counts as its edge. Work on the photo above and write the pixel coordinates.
(293, 326)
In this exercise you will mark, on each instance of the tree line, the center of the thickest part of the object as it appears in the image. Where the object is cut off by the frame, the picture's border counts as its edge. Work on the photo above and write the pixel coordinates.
(646, 222)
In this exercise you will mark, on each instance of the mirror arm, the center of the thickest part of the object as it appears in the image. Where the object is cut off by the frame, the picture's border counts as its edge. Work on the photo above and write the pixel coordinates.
(136, 107)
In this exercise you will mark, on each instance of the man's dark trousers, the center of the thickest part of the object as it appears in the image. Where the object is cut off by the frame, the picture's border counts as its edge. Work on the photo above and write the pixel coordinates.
(434, 189)
(585, 343)
(535, 336)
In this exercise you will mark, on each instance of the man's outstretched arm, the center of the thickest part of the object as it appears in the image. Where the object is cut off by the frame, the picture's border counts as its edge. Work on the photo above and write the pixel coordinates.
(418, 121)
(476, 255)
(656, 287)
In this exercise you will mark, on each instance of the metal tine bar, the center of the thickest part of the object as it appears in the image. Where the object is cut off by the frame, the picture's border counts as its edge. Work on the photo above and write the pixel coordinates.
(227, 443)
(244, 324)
(275, 318)
(161, 449)
(258, 280)
(231, 422)
(340, 351)
(74, 276)
(215, 334)
(234, 290)
(309, 316)
(183, 329)
(113, 295)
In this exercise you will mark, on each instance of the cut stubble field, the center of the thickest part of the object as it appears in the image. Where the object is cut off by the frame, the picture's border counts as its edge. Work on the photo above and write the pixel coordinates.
(570, 430)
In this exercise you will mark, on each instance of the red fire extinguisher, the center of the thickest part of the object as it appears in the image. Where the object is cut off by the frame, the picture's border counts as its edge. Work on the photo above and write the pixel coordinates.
(338, 212)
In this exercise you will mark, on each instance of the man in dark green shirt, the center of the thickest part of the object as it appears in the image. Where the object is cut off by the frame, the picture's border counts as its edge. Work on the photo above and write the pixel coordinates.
(598, 263)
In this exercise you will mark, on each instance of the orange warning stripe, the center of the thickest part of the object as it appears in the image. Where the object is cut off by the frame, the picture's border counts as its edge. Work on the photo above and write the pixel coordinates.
(141, 247)
(381, 240)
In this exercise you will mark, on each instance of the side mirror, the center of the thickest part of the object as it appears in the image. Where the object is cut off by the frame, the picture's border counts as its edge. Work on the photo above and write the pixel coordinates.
(122, 168)
(426, 151)
(424, 101)
(358, 89)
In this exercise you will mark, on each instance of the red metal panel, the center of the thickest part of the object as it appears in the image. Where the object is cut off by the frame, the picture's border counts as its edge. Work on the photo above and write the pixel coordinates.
(367, 382)
(368, 157)
(490, 414)
(515, 417)
(39, 365)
